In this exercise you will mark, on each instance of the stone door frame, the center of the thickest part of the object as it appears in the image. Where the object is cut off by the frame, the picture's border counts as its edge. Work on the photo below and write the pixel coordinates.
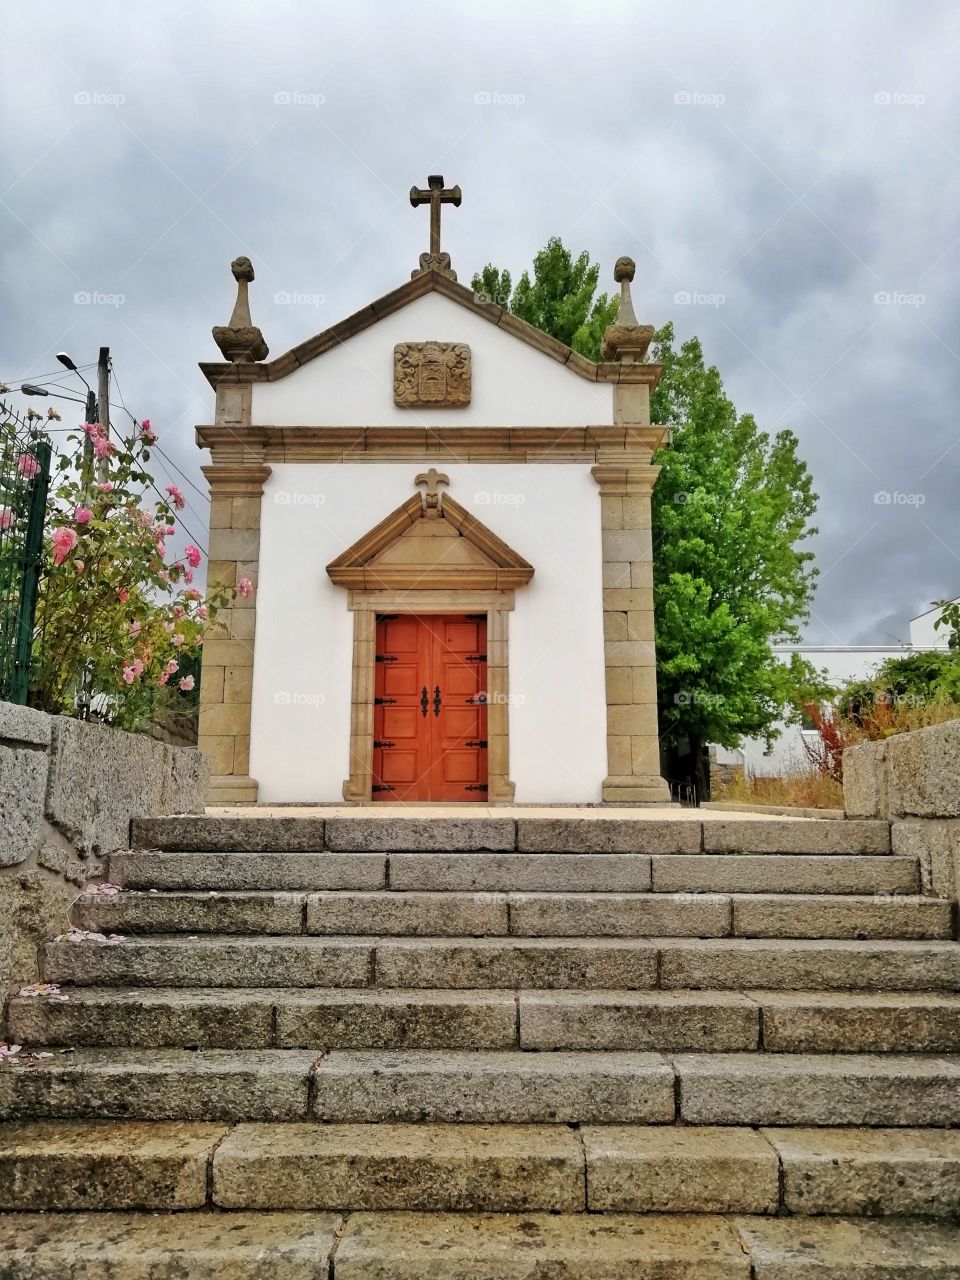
(365, 605)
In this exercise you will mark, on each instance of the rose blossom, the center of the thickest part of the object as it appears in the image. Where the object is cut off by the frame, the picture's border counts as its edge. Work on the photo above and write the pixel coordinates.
(63, 540)
(186, 684)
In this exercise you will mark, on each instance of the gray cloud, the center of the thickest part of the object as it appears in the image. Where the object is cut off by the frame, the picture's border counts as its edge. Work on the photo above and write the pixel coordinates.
(797, 160)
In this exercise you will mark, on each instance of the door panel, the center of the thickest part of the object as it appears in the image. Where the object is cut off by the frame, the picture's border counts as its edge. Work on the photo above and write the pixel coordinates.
(423, 757)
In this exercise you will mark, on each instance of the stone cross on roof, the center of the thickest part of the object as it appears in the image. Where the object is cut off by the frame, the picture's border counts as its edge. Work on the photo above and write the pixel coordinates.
(435, 194)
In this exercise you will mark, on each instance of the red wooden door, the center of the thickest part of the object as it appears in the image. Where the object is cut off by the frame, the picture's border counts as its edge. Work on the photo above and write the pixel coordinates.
(430, 714)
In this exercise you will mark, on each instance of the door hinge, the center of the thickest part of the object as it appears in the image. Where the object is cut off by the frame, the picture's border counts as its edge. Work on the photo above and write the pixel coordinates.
(383, 657)
(379, 786)
(378, 745)
(475, 657)
(482, 786)
(474, 742)
(384, 702)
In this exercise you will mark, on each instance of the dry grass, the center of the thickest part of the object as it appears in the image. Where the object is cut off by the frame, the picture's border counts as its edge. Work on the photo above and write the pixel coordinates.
(801, 789)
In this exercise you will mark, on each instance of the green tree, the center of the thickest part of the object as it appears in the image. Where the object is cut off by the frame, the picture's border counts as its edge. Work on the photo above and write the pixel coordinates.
(559, 299)
(731, 511)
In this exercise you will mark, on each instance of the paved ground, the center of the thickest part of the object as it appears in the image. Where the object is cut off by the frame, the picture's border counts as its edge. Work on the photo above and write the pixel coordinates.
(656, 813)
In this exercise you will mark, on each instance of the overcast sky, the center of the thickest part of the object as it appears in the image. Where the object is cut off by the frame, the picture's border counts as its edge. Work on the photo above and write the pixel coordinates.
(791, 169)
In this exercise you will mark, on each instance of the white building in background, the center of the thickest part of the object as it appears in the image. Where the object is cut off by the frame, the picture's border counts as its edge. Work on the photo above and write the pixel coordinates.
(854, 662)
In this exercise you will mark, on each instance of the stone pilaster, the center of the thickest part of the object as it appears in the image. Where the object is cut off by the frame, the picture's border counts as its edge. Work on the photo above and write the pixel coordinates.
(633, 743)
(227, 681)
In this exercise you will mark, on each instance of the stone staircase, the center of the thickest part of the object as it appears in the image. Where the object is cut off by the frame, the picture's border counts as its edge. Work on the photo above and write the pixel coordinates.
(492, 1047)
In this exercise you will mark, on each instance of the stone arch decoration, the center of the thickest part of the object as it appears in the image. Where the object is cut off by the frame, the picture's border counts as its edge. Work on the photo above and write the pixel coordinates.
(429, 556)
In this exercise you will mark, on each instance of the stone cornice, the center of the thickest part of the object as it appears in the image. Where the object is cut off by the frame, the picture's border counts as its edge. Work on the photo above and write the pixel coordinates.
(230, 444)
(418, 287)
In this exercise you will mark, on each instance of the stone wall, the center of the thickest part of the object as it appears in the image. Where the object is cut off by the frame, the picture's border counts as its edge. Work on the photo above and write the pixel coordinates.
(68, 791)
(913, 780)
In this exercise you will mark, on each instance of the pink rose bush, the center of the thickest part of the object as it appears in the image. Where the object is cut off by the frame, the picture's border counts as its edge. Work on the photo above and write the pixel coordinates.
(117, 617)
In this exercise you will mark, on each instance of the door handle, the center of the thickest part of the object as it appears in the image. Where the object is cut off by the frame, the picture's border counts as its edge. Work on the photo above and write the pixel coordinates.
(424, 701)
(436, 701)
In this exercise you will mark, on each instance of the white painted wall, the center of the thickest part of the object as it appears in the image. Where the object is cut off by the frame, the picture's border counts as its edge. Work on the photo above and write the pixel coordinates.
(549, 513)
(513, 385)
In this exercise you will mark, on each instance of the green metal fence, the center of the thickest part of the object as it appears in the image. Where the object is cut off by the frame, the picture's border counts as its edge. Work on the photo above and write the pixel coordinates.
(24, 480)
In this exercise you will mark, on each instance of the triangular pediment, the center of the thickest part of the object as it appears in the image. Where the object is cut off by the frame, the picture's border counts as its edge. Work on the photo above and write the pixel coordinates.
(430, 543)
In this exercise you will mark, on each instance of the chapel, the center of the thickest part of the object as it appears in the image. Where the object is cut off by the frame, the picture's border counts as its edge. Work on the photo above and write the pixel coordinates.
(444, 518)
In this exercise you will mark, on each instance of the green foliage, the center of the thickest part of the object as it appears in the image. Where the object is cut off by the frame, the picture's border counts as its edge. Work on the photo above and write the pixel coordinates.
(913, 681)
(949, 618)
(559, 299)
(731, 510)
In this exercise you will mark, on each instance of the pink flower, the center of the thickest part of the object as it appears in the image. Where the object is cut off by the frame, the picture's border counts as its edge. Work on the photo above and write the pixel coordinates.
(123, 595)
(202, 611)
(102, 447)
(192, 594)
(128, 675)
(163, 575)
(176, 640)
(179, 501)
(164, 677)
(172, 667)
(6, 519)
(244, 588)
(83, 515)
(106, 487)
(79, 566)
(193, 556)
(168, 627)
(186, 684)
(135, 627)
(188, 575)
(147, 434)
(145, 517)
(179, 611)
(63, 540)
(27, 465)
(170, 531)
(137, 667)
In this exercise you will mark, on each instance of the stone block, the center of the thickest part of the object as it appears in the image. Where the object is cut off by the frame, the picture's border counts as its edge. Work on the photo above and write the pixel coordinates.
(203, 1246)
(671, 1169)
(640, 625)
(139, 912)
(936, 842)
(869, 1171)
(618, 964)
(616, 575)
(227, 653)
(795, 835)
(818, 1089)
(460, 1246)
(662, 1021)
(219, 752)
(211, 962)
(522, 872)
(100, 778)
(23, 785)
(864, 1022)
(615, 626)
(923, 772)
(160, 1084)
(145, 1019)
(258, 871)
(619, 686)
(599, 834)
(96, 1165)
(850, 1249)
(603, 915)
(24, 725)
(839, 916)
(781, 873)
(413, 914)
(865, 781)
(641, 575)
(422, 1168)
(629, 653)
(627, 544)
(445, 834)
(809, 965)
(493, 1087)
(351, 1019)
(234, 544)
(230, 835)
(211, 685)
(238, 684)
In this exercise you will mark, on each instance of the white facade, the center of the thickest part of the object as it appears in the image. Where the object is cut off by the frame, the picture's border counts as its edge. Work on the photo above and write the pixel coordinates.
(300, 730)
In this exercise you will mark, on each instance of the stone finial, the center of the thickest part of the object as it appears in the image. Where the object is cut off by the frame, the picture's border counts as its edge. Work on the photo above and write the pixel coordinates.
(241, 341)
(627, 339)
(428, 482)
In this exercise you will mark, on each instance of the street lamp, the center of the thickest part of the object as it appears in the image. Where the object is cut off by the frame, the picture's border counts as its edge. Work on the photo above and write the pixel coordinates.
(66, 361)
(28, 389)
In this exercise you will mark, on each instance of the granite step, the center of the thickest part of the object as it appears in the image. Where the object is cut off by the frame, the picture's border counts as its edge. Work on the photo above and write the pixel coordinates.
(613, 963)
(210, 911)
(782, 873)
(236, 871)
(470, 1246)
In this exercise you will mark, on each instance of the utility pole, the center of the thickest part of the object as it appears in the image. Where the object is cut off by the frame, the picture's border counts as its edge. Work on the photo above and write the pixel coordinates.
(89, 415)
(103, 404)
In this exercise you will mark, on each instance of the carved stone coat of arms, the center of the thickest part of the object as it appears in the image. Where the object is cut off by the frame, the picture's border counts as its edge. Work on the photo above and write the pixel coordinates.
(431, 375)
